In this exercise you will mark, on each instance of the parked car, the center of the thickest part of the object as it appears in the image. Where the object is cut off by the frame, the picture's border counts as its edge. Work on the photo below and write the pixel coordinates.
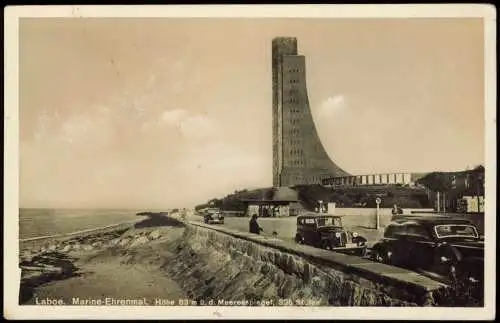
(327, 232)
(213, 216)
(440, 244)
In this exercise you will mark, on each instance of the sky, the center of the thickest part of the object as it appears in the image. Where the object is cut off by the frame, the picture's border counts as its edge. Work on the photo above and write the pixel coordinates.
(169, 112)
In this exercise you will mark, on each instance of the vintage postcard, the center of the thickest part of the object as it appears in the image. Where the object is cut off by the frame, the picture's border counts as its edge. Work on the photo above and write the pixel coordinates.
(230, 162)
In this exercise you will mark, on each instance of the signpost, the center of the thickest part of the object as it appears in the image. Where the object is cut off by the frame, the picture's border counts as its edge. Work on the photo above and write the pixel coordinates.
(378, 201)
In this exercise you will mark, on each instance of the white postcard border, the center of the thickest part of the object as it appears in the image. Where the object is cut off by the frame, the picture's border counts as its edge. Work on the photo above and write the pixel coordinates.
(11, 160)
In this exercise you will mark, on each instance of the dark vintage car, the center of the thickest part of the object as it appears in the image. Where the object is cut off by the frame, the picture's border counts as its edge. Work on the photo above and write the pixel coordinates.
(444, 245)
(213, 216)
(326, 231)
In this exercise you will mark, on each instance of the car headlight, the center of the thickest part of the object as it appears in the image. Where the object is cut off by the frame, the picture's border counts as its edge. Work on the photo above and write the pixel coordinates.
(444, 259)
(354, 234)
(473, 280)
(337, 234)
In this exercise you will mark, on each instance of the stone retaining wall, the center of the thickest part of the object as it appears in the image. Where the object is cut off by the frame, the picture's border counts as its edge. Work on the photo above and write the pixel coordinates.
(332, 278)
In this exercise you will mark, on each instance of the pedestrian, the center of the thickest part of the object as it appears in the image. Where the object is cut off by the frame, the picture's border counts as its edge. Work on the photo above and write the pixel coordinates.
(254, 226)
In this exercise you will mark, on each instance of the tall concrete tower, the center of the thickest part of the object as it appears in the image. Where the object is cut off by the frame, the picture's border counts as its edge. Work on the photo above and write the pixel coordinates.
(298, 154)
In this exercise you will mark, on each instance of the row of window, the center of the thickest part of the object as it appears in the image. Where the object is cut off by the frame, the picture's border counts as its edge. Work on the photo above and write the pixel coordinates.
(294, 81)
(316, 178)
(296, 163)
(311, 179)
(294, 142)
(372, 179)
(296, 152)
(293, 70)
(294, 121)
(293, 91)
(294, 131)
(293, 100)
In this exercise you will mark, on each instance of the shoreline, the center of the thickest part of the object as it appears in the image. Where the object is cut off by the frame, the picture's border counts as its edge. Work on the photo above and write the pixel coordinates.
(94, 260)
(90, 230)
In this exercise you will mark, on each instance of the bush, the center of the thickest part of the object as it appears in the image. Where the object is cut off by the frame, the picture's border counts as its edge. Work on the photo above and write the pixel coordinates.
(462, 294)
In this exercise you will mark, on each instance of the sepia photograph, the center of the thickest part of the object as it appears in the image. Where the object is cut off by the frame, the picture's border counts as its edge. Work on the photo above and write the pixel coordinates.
(315, 161)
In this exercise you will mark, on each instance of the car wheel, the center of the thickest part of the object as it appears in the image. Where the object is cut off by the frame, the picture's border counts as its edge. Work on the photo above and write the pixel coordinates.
(470, 272)
(446, 259)
(380, 255)
(326, 245)
(469, 275)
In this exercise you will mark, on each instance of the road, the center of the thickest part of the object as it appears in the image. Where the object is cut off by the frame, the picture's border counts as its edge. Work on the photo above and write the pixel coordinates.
(286, 227)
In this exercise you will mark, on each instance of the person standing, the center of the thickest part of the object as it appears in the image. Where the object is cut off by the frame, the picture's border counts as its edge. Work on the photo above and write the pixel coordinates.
(254, 226)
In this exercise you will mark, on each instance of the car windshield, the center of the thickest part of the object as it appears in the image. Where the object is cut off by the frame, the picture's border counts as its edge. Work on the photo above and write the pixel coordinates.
(329, 222)
(456, 230)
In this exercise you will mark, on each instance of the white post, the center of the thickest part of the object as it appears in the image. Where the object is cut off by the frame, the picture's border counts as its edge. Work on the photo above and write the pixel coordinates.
(377, 215)
(438, 206)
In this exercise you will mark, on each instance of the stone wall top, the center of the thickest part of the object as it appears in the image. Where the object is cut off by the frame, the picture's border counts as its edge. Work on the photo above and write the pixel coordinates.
(350, 264)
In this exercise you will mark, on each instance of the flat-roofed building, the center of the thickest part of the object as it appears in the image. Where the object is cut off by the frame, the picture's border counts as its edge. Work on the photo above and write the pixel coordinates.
(371, 179)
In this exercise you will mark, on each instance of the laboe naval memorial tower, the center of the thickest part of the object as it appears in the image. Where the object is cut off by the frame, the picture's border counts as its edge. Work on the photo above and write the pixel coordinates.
(298, 154)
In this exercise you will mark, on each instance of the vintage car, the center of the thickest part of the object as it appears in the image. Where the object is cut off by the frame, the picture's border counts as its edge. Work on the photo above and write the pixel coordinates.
(213, 216)
(326, 231)
(450, 247)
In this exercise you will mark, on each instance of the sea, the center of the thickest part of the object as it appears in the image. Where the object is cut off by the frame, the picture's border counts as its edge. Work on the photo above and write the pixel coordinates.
(34, 223)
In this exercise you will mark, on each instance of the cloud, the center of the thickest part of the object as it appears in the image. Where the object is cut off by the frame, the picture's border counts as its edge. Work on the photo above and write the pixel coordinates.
(226, 158)
(173, 117)
(177, 86)
(86, 131)
(151, 80)
(179, 65)
(332, 106)
(195, 126)
(226, 165)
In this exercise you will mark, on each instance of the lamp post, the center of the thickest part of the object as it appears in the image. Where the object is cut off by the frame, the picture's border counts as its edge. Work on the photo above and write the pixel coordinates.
(378, 200)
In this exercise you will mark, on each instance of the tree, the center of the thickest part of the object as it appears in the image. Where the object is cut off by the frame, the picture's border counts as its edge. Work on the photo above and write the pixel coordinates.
(437, 181)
